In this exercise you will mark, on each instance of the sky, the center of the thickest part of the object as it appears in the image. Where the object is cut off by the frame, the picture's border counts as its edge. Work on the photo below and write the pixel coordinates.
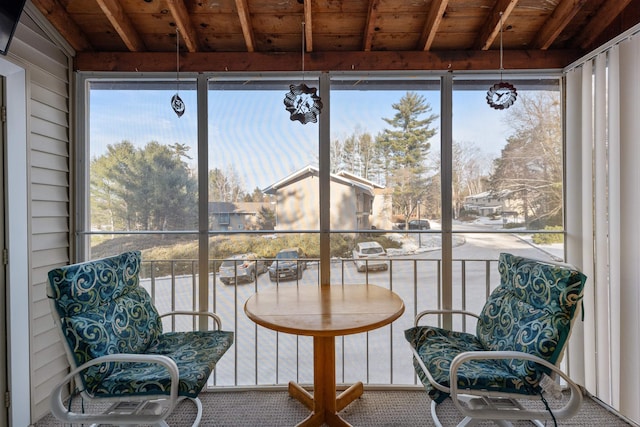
(251, 130)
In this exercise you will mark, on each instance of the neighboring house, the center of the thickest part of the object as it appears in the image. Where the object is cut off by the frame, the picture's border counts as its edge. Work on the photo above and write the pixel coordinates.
(353, 201)
(382, 210)
(490, 203)
(239, 216)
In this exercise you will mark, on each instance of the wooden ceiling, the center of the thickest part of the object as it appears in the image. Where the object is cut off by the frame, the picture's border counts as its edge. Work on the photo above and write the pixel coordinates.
(363, 35)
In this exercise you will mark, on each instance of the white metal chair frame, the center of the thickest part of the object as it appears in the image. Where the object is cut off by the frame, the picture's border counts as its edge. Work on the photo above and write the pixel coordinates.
(127, 409)
(479, 405)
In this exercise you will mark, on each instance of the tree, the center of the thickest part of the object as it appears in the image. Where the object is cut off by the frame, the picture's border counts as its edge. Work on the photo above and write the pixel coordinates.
(530, 166)
(470, 173)
(112, 183)
(225, 186)
(167, 191)
(256, 196)
(356, 154)
(402, 151)
(143, 189)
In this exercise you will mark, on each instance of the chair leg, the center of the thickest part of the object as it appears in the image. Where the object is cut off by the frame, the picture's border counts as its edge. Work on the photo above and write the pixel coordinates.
(466, 422)
(196, 401)
(434, 414)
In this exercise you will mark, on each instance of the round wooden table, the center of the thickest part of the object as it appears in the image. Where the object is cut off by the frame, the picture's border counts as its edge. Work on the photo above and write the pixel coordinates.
(324, 312)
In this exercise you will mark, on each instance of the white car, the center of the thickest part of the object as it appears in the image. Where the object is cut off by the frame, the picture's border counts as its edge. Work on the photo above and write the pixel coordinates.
(370, 256)
(245, 267)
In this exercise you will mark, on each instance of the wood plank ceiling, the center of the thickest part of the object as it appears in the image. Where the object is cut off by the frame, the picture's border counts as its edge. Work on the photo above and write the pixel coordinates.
(270, 35)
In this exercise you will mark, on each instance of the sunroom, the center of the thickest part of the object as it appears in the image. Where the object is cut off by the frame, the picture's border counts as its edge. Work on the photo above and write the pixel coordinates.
(98, 160)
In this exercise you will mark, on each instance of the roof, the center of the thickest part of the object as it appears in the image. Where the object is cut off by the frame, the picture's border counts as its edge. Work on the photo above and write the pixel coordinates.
(311, 170)
(363, 35)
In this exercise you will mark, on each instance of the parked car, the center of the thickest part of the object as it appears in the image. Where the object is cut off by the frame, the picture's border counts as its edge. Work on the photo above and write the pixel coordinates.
(243, 267)
(288, 264)
(416, 224)
(370, 256)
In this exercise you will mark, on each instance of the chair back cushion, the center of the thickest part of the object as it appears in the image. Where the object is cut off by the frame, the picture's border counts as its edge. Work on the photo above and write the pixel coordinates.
(531, 311)
(103, 310)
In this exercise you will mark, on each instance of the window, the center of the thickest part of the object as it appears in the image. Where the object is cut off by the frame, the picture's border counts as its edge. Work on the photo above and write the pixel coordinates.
(443, 192)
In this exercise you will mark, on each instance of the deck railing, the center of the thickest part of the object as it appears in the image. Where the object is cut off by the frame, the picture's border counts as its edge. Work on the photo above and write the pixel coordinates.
(261, 357)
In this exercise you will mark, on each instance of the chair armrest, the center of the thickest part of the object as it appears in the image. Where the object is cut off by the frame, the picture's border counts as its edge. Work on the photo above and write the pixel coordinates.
(60, 411)
(567, 411)
(216, 319)
(443, 311)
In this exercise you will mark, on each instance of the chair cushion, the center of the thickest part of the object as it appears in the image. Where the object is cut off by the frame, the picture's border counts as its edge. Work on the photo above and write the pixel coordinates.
(103, 310)
(438, 347)
(531, 312)
(196, 354)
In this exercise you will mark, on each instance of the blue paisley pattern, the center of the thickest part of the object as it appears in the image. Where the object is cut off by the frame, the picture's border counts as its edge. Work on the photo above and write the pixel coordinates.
(104, 310)
(531, 311)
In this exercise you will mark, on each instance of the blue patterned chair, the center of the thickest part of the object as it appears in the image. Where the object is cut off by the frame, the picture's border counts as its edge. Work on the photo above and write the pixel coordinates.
(520, 338)
(117, 350)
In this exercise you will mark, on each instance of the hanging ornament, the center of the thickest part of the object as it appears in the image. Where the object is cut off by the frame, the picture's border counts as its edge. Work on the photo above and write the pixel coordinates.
(302, 102)
(501, 95)
(176, 102)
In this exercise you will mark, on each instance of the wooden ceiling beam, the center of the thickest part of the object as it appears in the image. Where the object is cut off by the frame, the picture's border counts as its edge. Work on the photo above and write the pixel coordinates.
(245, 23)
(183, 23)
(370, 27)
(559, 19)
(308, 26)
(122, 24)
(494, 22)
(596, 26)
(436, 13)
(61, 21)
(322, 61)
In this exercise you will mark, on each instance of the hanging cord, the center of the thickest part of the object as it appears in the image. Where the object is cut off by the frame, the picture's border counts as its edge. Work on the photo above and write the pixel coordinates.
(501, 68)
(177, 60)
(546, 405)
(303, 42)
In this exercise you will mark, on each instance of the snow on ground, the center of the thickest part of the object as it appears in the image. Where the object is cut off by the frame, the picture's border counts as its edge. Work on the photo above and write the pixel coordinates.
(430, 242)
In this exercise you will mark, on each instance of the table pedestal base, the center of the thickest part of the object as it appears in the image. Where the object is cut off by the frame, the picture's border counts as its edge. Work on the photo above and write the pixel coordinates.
(323, 404)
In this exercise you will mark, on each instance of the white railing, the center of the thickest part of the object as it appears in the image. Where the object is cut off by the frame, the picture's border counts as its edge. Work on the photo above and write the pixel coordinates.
(261, 357)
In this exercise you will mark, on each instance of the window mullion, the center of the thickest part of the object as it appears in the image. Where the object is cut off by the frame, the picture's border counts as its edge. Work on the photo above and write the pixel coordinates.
(203, 200)
(446, 168)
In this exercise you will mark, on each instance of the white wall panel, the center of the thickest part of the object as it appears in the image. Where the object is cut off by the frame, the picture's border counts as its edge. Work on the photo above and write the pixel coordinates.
(48, 123)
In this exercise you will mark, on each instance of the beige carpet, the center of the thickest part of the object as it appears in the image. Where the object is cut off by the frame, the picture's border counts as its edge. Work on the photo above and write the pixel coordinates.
(374, 409)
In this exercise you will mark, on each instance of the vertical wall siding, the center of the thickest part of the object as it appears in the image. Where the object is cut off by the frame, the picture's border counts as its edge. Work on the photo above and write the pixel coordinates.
(49, 146)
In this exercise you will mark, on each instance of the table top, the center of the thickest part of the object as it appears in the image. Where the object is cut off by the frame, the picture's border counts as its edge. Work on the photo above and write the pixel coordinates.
(324, 310)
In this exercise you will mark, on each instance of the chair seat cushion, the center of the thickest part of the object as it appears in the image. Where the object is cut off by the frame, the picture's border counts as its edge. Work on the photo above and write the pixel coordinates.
(196, 354)
(438, 347)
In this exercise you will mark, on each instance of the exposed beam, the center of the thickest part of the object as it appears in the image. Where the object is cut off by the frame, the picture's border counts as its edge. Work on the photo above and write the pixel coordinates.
(492, 26)
(121, 23)
(370, 27)
(308, 26)
(608, 11)
(245, 22)
(561, 16)
(60, 19)
(436, 13)
(323, 61)
(183, 22)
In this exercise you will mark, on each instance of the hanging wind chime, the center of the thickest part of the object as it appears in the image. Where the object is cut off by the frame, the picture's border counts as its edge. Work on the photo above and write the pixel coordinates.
(176, 102)
(301, 101)
(501, 95)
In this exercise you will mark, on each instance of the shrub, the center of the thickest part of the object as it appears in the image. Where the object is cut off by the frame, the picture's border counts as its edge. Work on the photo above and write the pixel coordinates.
(546, 239)
(184, 249)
